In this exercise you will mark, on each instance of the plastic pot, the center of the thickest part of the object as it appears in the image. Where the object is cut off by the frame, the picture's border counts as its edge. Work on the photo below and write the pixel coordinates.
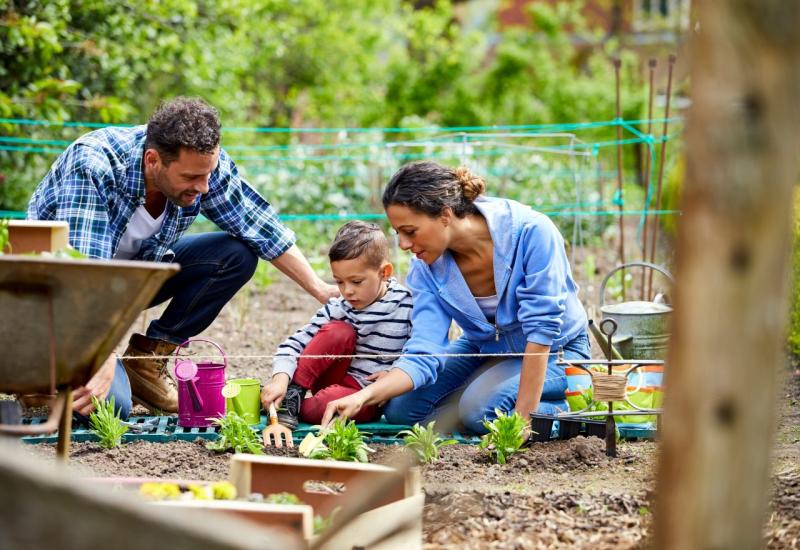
(595, 428)
(541, 426)
(568, 429)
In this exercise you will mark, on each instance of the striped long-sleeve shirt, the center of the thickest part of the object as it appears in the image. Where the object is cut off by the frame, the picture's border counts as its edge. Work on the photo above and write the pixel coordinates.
(382, 328)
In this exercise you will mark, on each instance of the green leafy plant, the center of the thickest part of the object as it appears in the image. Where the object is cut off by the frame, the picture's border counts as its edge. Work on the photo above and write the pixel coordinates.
(3, 235)
(424, 442)
(323, 522)
(235, 433)
(106, 424)
(283, 498)
(342, 441)
(505, 437)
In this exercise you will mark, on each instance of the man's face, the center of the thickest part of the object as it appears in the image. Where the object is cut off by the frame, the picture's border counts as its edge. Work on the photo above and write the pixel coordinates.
(185, 178)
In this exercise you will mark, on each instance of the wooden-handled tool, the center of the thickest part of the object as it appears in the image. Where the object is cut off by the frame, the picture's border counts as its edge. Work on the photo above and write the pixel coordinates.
(276, 433)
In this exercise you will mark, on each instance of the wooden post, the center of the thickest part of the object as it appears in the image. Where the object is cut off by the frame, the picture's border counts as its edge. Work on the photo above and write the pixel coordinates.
(732, 275)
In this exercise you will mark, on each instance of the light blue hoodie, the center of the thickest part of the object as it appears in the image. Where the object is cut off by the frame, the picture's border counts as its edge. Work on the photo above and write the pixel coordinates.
(537, 303)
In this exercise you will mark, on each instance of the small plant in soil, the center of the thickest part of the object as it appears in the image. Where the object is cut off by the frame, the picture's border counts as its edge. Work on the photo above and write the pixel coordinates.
(342, 441)
(165, 490)
(282, 498)
(506, 435)
(235, 433)
(424, 442)
(106, 424)
(321, 523)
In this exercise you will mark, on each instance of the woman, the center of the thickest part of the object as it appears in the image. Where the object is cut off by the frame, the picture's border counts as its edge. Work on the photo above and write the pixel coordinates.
(499, 270)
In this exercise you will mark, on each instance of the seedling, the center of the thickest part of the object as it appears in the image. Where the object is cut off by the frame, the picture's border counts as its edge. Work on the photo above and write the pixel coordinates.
(506, 435)
(424, 442)
(235, 433)
(321, 523)
(342, 441)
(106, 424)
(283, 498)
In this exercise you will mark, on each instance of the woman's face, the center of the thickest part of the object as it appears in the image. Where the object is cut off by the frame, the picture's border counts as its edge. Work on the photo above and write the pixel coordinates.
(426, 237)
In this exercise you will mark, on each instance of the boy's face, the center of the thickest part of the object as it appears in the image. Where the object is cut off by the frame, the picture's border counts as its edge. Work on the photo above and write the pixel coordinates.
(359, 282)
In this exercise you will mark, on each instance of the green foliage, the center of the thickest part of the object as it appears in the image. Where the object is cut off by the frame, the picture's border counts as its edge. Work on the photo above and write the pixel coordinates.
(282, 498)
(235, 433)
(341, 441)
(3, 235)
(278, 63)
(505, 437)
(105, 423)
(321, 523)
(424, 442)
(794, 318)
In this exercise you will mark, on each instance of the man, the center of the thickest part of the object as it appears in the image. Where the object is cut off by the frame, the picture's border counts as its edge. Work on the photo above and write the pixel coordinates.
(131, 193)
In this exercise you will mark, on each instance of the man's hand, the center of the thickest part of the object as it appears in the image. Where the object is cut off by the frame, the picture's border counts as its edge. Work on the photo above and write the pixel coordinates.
(346, 407)
(97, 386)
(326, 292)
(275, 390)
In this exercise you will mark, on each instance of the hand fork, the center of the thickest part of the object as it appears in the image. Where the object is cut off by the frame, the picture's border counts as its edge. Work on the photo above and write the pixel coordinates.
(275, 432)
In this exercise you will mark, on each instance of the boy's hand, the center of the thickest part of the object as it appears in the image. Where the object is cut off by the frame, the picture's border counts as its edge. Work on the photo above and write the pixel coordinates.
(275, 390)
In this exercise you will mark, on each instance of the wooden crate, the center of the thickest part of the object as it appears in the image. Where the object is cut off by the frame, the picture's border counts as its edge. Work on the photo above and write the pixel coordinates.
(34, 236)
(396, 510)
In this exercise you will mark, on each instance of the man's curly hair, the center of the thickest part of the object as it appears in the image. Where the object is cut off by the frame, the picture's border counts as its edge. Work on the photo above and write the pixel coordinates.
(183, 122)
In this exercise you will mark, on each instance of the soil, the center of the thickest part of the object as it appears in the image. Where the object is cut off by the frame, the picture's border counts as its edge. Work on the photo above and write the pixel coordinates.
(562, 494)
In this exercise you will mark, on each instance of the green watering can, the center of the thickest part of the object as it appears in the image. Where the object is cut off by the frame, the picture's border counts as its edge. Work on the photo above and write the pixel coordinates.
(642, 327)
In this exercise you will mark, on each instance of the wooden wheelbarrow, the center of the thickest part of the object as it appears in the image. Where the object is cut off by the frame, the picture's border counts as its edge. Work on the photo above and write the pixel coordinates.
(60, 320)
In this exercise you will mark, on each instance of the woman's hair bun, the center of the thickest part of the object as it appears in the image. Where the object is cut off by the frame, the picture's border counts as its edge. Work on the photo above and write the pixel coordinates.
(471, 185)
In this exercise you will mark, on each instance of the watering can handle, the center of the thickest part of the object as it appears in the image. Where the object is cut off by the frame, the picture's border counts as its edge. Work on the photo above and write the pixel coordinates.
(658, 268)
(222, 351)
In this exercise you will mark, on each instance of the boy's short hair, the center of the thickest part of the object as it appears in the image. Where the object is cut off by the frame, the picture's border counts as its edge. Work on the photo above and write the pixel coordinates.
(355, 239)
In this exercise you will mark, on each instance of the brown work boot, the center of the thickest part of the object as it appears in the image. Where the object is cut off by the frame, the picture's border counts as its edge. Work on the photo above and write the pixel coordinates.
(151, 384)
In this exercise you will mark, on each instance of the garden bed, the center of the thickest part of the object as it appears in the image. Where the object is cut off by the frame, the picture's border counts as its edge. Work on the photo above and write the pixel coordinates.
(560, 494)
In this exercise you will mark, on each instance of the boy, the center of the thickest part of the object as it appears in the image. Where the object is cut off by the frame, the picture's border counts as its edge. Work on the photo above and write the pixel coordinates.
(372, 317)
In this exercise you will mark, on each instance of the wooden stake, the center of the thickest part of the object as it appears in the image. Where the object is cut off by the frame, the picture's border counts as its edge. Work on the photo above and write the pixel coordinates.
(732, 276)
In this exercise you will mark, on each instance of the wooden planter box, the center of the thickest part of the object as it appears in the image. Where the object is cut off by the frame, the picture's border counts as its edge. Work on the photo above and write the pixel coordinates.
(397, 508)
(31, 236)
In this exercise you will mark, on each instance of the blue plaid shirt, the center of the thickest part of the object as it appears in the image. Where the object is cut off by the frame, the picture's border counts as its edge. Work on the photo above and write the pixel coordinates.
(97, 184)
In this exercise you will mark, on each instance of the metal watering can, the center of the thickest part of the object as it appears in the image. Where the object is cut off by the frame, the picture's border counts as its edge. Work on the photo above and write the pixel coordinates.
(200, 398)
(642, 327)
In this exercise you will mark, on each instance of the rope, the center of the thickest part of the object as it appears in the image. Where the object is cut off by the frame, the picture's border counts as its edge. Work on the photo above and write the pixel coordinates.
(351, 356)
(609, 387)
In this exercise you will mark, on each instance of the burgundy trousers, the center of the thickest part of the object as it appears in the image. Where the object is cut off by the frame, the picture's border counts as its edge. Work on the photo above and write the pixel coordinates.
(327, 378)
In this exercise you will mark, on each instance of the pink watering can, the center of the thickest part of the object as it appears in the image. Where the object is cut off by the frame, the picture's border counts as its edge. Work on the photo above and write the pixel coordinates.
(200, 398)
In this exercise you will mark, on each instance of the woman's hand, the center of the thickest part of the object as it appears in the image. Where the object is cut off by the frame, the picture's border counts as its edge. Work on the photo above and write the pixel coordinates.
(531, 379)
(345, 407)
(98, 386)
(275, 390)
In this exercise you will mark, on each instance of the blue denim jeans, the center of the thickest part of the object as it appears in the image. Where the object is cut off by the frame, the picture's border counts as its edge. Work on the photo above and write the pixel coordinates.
(477, 388)
(214, 266)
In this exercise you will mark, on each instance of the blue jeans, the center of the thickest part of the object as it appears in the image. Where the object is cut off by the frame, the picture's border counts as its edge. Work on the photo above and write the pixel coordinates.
(481, 388)
(214, 266)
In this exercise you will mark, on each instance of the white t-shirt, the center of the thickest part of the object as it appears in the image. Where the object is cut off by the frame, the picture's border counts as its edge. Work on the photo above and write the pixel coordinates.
(140, 227)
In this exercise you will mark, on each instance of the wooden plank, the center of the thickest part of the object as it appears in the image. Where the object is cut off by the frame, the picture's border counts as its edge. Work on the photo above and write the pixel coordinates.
(296, 520)
(395, 525)
(732, 275)
(42, 506)
(268, 474)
